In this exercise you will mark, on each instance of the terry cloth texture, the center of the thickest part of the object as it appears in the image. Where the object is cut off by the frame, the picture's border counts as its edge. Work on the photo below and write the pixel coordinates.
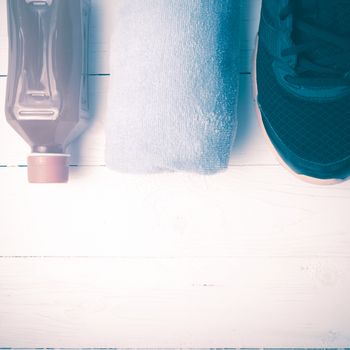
(172, 100)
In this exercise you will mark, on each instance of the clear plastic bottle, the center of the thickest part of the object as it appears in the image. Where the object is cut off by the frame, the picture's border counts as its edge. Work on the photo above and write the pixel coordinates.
(47, 84)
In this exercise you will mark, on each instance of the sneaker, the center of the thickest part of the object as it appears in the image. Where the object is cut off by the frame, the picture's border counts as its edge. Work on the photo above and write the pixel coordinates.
(302, 85)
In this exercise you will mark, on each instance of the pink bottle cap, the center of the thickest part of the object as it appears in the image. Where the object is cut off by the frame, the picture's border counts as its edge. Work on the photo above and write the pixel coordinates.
(48, 168)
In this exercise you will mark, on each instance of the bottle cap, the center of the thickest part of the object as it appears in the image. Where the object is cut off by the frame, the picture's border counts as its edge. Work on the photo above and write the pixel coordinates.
(48, 168)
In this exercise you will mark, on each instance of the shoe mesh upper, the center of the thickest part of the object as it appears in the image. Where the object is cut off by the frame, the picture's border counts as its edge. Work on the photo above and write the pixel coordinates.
(316, 131)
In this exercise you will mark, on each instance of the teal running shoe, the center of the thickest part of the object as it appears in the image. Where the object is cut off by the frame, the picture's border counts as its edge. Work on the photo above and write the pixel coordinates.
(302, 82)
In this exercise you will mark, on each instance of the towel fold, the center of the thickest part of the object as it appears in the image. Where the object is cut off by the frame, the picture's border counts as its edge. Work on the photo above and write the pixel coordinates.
(174, 85)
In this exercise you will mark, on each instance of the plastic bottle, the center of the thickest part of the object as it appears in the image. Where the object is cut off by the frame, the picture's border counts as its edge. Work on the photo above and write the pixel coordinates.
(47, 84)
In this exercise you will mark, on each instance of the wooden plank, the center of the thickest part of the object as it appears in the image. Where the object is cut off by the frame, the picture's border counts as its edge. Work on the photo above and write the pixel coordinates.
(101, 28)
(246, 211)
(168, 303)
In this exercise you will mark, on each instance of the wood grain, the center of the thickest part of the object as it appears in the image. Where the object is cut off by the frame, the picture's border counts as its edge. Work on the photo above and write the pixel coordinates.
(246, 211)
(167, 303)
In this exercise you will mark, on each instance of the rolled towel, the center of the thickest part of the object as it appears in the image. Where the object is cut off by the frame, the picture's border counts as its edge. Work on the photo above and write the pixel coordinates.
(174, 85)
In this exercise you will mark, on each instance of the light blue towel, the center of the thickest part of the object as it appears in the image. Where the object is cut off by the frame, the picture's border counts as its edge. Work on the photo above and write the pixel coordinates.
(174, 84)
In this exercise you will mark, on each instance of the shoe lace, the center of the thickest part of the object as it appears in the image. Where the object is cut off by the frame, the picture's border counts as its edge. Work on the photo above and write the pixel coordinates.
(330, 69)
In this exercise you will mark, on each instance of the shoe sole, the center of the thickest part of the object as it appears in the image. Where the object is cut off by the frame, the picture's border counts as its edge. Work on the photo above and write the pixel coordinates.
(308, 179)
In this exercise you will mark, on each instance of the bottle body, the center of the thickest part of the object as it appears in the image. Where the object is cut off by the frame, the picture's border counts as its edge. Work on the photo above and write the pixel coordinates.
(47, 85)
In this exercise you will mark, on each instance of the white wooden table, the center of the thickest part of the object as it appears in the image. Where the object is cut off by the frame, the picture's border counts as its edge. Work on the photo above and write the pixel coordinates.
(249, 257)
